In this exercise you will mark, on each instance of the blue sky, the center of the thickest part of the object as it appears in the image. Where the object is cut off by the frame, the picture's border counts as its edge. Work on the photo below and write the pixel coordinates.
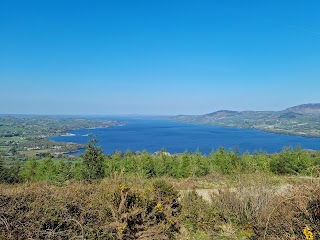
(157, 57)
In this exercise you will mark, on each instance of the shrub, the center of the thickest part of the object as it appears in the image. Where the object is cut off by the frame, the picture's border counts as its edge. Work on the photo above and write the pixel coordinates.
(247, 203)
(295, 215)
(108, 210)
(197, 214)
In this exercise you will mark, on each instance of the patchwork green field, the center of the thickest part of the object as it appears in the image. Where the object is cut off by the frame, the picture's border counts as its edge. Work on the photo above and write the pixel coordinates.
(23, 137)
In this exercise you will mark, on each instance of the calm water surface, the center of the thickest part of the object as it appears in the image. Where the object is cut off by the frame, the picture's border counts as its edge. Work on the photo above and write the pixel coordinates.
(176, 137)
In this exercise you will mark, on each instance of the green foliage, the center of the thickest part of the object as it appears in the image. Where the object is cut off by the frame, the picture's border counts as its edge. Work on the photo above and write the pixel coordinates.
(46, 169)
(146, 165)
(9, 171)
(193, 165)
(29, 170)
(165, 190)
(261, 162)
(96, 165)
(63, 171)
(290, 161)
(12, 172)
(184, 169)
(221, 161)
(115, 164)
(93, 162)
(198, 214)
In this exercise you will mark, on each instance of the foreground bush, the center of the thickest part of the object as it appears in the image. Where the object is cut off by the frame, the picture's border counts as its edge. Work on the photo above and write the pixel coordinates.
(295, 215)
(108, 210)
(199, 217)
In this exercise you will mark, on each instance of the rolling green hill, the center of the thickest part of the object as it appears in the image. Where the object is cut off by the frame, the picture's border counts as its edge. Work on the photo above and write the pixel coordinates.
(301, 120)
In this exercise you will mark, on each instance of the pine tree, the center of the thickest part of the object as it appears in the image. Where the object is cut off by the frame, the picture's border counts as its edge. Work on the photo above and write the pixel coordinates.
(93, 158)
(30, 170)
(13, 172)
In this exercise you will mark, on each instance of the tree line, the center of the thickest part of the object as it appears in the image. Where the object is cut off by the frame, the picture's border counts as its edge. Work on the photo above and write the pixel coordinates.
(94, 164)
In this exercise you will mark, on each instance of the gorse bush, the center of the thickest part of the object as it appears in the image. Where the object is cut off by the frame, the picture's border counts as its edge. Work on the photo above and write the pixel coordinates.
(295, 215)
(198, 215)
(247, 202)
(114, 209)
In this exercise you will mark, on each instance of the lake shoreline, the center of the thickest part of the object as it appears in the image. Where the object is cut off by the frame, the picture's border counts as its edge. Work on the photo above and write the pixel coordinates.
(177, 137)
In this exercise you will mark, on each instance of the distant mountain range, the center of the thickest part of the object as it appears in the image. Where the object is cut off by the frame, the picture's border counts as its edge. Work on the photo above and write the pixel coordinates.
(311, 108)
(302, 120)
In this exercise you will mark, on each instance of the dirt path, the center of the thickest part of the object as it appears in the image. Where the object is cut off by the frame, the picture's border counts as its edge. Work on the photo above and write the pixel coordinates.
(207, 193)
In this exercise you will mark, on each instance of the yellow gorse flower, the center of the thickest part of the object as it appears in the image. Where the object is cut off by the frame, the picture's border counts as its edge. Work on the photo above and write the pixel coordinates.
(307, 232)
(124, 188)
(159, 207)
(121, 229)
(171, 221)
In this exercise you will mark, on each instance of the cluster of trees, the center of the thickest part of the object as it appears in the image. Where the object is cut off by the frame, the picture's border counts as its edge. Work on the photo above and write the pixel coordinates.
(95, 165)
(91, 167)
(289, 161)
(9, 173)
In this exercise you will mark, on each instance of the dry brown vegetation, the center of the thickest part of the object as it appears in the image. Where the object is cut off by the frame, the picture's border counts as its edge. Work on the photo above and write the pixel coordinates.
(290, 215)
(252, 206)
(108, 210)
(246, 206)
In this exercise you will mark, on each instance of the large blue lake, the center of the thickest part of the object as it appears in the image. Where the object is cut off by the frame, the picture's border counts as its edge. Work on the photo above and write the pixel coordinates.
(176, 137)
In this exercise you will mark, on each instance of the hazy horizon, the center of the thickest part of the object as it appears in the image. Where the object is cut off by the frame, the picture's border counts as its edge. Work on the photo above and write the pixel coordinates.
(157, 57)
(131, 114)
